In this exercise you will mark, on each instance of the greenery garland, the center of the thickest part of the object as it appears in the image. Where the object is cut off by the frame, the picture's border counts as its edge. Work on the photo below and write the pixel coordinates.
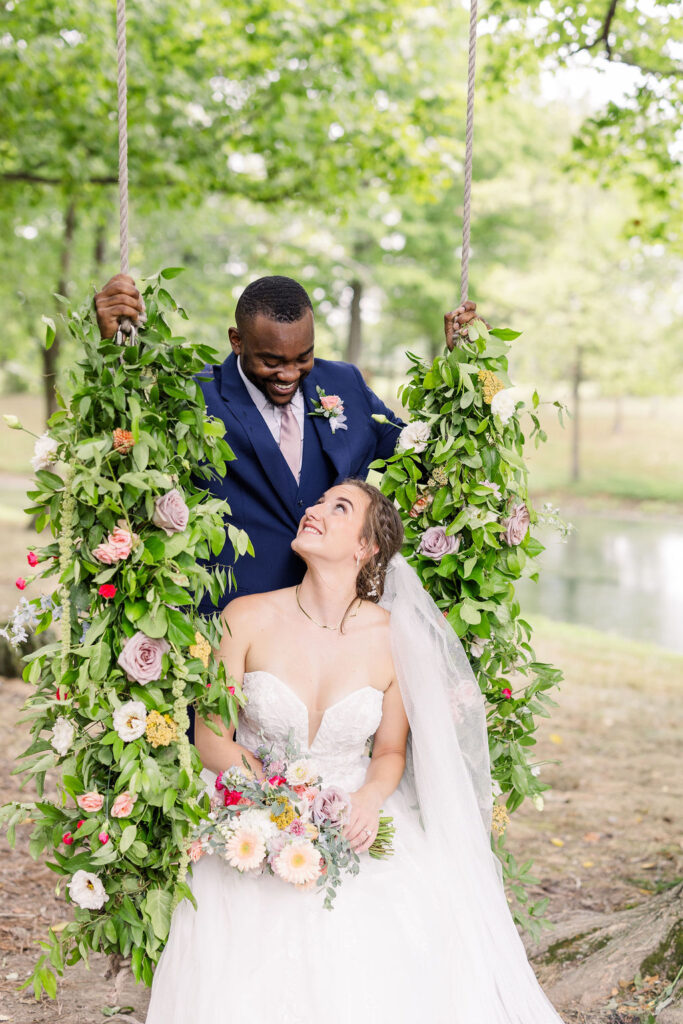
(460, 482)
(108, 710)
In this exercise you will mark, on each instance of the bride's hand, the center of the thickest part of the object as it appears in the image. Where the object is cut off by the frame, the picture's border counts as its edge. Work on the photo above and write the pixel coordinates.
(364, 820)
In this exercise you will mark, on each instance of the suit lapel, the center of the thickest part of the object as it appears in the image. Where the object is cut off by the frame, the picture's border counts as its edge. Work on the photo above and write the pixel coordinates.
(335, 445)
(272, 461)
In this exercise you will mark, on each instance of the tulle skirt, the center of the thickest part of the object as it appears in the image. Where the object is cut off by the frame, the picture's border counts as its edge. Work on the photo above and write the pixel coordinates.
(257, 949)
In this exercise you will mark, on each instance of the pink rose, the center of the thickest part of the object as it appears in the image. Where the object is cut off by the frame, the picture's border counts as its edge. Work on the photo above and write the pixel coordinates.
(195, 850)
(436, 543)
(331, 402)
(332, 805)
(516, 524)
(123, 805)
(170, 512)
(90, 801)
(141, 657)
(118, 545)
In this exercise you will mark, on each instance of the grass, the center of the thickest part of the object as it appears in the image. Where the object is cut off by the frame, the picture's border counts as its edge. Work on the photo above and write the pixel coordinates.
(587, 656)
(640, 461)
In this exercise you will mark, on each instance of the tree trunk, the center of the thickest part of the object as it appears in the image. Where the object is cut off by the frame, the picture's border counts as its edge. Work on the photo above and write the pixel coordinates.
(51, 355)
(100, 249)
(355, 338)
(576, 422)
(587, 956)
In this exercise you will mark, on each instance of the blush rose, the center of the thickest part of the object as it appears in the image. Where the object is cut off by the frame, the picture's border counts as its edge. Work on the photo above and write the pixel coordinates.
(170, 512)
(141, 658)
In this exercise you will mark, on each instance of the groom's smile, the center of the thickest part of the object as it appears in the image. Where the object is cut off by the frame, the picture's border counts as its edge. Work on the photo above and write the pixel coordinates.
(275, 356)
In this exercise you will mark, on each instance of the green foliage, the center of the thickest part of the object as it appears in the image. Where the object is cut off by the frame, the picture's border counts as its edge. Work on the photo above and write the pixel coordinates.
(633, 136)
(147, 387)
(469, 478)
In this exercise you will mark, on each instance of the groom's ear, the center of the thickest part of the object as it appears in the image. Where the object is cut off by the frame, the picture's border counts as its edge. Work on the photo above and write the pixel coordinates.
(235, 340)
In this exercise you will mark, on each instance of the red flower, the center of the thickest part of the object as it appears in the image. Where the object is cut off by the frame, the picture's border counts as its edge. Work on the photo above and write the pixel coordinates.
(507, 693)
(62, 695)
(107, 590)
(231, 797)
(32, 559)
(20, 584)
(67, 839)
(277, 780)
(219, 782)
(103, 837)
(81, 822)
(231, 690)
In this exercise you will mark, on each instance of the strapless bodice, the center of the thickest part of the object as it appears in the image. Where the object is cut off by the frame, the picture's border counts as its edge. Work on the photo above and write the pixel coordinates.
(273, 711)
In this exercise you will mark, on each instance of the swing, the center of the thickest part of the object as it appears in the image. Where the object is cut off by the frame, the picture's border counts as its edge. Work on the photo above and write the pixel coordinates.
(148, 382)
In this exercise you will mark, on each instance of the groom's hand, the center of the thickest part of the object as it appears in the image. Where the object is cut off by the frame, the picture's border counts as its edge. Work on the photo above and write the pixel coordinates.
(119, 298)
(455, 323)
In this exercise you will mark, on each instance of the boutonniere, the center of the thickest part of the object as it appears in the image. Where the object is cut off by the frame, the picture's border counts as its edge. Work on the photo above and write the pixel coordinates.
(331, 408)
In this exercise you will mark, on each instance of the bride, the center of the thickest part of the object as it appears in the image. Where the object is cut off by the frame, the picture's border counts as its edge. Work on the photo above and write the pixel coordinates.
(357, 650)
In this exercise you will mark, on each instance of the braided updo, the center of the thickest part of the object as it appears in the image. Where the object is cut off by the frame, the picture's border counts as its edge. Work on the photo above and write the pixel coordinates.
(382, 529)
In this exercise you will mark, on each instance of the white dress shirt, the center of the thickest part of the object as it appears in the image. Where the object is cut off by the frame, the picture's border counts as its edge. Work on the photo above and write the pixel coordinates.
(272, 414)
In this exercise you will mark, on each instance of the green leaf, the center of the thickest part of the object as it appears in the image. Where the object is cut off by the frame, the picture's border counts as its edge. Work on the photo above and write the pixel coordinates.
(154, 625)
(128, 837)
(170, 272)
(157, 906)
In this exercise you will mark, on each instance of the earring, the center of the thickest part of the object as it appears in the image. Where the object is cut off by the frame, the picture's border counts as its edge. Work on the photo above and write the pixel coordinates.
(357, 560)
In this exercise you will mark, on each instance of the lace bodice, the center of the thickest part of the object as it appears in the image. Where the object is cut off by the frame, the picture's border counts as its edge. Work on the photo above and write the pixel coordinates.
(339, 746)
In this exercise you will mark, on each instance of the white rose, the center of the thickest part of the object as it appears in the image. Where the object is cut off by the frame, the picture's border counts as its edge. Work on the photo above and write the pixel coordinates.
(62, 736)
(503, 405)
(477, 646)
(87, 891)
(414, 436)
(259, 819)
(302, 772)
(44, 452)
(130, 720)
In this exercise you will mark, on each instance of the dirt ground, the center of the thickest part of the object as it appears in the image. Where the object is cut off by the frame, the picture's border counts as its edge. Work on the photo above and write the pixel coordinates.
(610, 833)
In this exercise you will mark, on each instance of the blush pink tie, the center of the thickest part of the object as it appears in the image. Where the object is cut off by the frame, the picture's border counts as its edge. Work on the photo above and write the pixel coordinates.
(290, 440)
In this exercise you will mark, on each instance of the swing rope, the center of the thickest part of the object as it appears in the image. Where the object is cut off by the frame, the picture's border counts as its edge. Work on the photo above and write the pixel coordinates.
(123, 133)
(469, 133)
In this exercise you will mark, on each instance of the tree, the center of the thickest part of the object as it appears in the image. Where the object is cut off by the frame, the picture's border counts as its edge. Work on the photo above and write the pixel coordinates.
(633, 138)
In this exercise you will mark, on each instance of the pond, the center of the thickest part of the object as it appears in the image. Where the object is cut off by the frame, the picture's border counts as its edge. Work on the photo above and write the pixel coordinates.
(621, 576)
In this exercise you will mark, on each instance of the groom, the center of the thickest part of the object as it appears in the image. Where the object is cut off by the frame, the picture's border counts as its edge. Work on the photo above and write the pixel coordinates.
(264, 393)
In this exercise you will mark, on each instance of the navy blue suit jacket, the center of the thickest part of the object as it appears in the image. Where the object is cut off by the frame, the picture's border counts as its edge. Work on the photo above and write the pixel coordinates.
(263, 494)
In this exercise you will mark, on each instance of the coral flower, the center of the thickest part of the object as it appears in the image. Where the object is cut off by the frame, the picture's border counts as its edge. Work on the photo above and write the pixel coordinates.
(32, 559)
(298, 863)
(123, 441)
(245, 850)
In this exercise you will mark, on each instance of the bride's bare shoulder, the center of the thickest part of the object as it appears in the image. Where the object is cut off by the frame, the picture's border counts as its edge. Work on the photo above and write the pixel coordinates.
(255, 607)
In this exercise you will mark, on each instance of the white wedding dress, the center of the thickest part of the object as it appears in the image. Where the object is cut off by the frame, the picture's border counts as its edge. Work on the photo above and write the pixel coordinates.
(399, 945)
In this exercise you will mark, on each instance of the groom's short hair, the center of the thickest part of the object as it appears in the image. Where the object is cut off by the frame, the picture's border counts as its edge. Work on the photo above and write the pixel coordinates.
(277, 298)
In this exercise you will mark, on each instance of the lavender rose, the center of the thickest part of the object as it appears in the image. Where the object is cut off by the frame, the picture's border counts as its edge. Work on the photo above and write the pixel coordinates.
(332, 805)
(141, 656)
(436, 543)
(170, 512)
(516, 525)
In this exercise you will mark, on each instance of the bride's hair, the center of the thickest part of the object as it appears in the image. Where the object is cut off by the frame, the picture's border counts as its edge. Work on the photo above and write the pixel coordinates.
(382, 529)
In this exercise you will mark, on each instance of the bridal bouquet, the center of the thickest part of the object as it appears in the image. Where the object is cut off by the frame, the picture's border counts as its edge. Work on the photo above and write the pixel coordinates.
(288, 824)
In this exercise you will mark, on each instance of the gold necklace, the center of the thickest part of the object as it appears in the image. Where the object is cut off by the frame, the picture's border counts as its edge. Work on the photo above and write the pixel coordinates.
(321, 625)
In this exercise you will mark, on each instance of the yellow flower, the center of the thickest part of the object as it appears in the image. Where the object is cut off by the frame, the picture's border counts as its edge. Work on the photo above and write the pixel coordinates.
(491, 384)
(501, 819)
(160, 729)
(201, 649)
(286, 817)
(439, 477)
